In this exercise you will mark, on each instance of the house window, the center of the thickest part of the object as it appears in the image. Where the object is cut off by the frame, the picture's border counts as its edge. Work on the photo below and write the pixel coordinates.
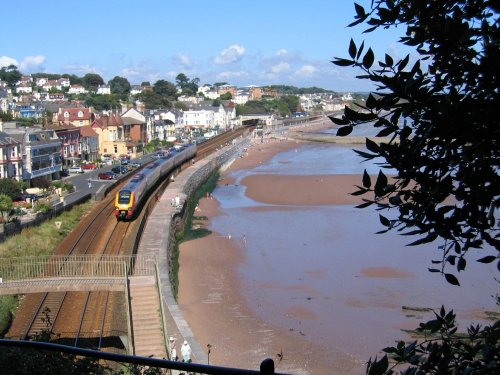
(72, 149)
(66, 114)
(65, 151)
(80, 114)
(13, 152)
(116, 149)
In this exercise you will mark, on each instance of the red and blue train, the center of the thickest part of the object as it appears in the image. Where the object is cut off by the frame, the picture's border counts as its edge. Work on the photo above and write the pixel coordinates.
(130, 198)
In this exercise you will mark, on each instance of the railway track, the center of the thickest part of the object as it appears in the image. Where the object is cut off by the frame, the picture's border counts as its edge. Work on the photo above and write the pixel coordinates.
(88, 319)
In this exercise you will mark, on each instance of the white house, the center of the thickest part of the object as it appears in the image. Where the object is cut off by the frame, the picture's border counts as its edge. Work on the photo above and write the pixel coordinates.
(77, 89)
(104, 90)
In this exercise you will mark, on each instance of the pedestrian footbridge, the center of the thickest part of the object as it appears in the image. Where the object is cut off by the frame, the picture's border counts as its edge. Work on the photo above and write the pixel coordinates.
(22, 275)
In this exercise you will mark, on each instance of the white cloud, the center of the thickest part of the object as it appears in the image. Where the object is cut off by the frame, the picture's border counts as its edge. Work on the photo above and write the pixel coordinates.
(230, 55)
(6, 61)
(184, 60)
(31, 62)
(306, 71)
(231, 74)
(282, 52)
(81, 69)
(282, 67)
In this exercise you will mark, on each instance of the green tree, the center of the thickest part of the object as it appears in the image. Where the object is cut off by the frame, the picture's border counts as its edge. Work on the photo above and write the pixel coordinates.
(120, 86)
(9, 187)
(152, 100)
(292, 102)
(166, 89)
(73, 79)
(6, 205)
(145, 83)
(102, 102)
(5, 116)
(92, 81)
(441, 115)
(10, 74)
(226, 96)
(181, 80)
(251, 107)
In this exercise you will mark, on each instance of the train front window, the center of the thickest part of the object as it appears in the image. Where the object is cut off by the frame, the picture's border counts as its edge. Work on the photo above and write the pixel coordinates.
(124, 197)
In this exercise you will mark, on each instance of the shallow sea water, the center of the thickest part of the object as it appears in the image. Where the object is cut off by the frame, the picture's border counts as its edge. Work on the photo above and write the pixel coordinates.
(310, 269)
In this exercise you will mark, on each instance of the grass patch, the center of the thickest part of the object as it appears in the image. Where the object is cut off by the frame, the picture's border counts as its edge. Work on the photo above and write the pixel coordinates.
(419, 309)
(191, 230)
(492, 315)
(36, 241)
(46, 236)
(8, 304)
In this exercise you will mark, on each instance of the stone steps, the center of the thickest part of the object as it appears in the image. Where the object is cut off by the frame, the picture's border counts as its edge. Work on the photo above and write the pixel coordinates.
(146, 320)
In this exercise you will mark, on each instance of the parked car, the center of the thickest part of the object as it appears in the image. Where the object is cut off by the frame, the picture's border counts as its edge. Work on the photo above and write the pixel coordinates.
(25, 197)
(119, 169)
(75, 169)
(107, 176)
(89, 166)
(64, 173)
(134, 164)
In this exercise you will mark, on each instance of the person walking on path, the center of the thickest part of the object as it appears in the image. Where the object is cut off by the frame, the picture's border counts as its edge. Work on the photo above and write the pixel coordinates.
(173, 350)
(186, 352)
(90, 183)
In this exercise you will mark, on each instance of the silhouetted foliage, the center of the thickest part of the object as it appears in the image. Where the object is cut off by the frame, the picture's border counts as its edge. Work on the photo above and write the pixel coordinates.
(442, 116)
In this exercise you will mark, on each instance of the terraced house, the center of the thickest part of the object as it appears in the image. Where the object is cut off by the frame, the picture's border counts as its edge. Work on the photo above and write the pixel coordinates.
(40, 151)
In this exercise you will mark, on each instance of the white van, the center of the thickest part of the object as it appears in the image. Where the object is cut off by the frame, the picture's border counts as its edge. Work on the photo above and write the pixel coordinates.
(75, 169)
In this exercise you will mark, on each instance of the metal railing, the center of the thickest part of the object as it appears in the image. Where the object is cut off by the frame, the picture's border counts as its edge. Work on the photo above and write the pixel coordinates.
(75, 266)
(266, 366)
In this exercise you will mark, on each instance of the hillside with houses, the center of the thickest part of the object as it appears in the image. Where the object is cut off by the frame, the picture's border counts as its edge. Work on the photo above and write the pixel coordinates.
(51, 122)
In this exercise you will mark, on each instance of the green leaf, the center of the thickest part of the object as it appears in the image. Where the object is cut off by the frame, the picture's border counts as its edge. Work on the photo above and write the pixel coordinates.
(343, 62)
(339, 121)
(388, 60)
(384, 221)
(344, 130)
(367, 182)
(364, 205)
(402, 64)
(368, 59)
(380, 184)
(461, 264)
(450, 278)
(352, 49)
(379, 367)
(372, 146)
(365, 155)
(429, 238)
(350, 114)
(371, 102)
(360, 11)
(487, 259)
(361, 191)
(360, 50)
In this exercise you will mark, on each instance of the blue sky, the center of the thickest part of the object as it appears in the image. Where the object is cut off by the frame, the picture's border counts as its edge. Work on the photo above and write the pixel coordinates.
(256, 42)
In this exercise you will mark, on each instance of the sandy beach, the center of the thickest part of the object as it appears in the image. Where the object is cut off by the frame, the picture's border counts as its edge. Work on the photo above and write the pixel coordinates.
(364, 292)
(210, 296)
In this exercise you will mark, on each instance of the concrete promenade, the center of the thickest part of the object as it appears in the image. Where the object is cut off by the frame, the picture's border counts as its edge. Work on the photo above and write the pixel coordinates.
(159, 232)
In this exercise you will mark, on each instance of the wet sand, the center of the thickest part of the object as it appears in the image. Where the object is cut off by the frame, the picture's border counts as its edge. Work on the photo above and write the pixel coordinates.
(210, 295)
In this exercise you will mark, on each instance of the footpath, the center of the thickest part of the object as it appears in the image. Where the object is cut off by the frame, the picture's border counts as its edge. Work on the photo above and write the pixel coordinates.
(158, 232)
